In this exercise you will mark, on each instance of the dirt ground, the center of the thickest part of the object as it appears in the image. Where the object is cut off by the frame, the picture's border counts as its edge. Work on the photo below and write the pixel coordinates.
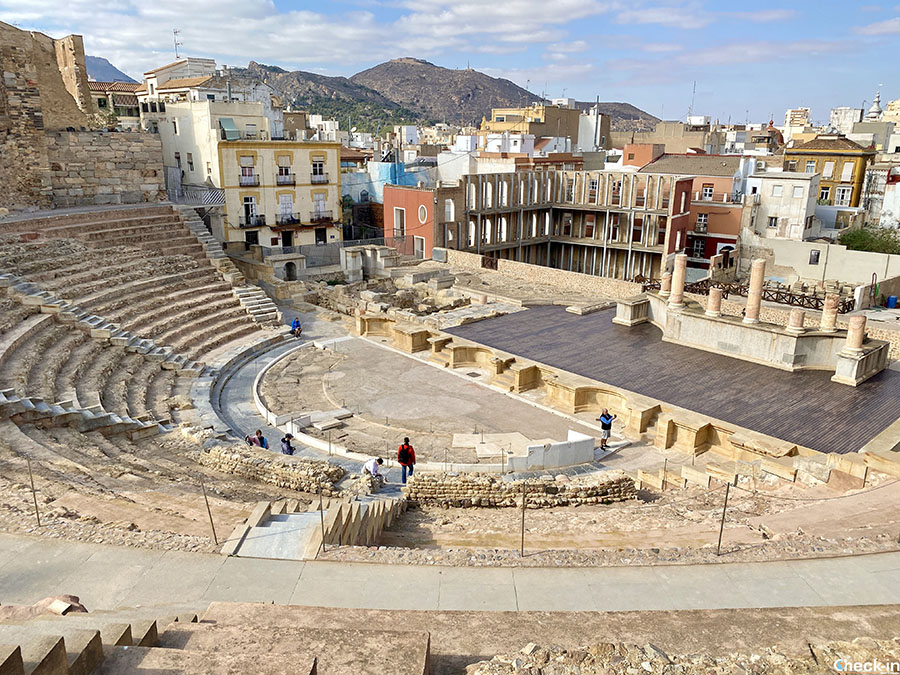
(680, 526)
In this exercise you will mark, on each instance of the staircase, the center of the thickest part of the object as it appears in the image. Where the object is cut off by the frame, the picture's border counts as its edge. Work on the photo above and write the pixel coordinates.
(262, 639)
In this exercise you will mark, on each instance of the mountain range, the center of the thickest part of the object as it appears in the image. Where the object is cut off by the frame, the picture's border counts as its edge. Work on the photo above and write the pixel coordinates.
(102, 70)
(412, 91)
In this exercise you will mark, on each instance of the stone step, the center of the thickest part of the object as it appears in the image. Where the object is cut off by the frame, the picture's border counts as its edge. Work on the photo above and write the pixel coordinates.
(343, 650)
(113, 630)
(130, 660)
(54, 648)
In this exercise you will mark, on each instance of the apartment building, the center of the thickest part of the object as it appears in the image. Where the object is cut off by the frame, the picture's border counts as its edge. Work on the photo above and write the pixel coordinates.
(783, 205)
(841, 163)
(537, 119)
(606, 223)
(418, 218)
(117, 102)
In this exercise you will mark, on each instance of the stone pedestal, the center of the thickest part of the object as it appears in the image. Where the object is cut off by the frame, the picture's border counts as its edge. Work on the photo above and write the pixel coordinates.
(665, 285)
(795, 322)
(856, 335)
(828, 324)
(754, 295)
(714, 304)
(632, 311)
(676, 298)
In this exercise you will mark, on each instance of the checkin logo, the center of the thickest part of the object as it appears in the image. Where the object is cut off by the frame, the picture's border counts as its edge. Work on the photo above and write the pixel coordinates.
(873, 666)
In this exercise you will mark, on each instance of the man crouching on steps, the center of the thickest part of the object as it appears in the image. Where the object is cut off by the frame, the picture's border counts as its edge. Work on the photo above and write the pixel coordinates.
(371, 468)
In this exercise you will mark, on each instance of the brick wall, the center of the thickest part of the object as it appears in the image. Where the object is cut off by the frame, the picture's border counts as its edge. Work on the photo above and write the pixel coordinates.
(93, 167)
(603, 287)
(476, 489)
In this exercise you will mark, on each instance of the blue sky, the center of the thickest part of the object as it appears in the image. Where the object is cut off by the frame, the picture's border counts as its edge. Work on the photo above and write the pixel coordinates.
(748, 59)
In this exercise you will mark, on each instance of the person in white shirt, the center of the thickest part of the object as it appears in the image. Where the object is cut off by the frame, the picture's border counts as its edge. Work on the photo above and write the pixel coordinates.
(371, 468)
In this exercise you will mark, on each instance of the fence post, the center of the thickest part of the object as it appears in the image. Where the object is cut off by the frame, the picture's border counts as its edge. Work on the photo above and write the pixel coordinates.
(209, 512)
(722, 523)
(322, 518)
(522, 544)
(665, 470)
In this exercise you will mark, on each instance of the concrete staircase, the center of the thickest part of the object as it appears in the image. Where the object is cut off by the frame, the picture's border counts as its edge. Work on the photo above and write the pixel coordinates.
(30, 294)
(253, 299)
(33, 410)
(261, 639)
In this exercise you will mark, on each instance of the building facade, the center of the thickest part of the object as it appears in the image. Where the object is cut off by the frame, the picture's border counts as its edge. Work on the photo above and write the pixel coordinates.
(605, 223)
(840, 162)
(117, 102)
(784, 205)
(417, 218)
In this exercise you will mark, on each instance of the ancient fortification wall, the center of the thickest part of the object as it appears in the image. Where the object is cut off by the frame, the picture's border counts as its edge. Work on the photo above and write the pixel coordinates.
(92, 167)
(43, 92)
(478, 489)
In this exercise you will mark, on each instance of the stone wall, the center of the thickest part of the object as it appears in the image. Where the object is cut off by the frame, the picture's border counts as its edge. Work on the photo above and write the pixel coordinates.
(477, 489)
(303, 475)
(562, 279)
(94, 167)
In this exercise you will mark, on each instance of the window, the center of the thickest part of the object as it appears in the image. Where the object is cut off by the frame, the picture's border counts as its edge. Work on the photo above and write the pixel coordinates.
(772, 222)
(152, 89)
(209, 169)
(811, 166)
(791, 165)
(630, 155)
(842, 195)
(178, 159)
(210, 97)
(423, 214)
(570, 190)
(809, 223)
(102, 103)
(824, 194)
(318, 168)
(706, 194)
(776, 191)
(814, 257)
(702, 222)
(190, 158)
(593, 186)
(828, 171)
(798, 192)
(175, 126)
(399, 222)
(699, 248)
(589, 226)
(847, 171)
(363, 195)
(250, 131)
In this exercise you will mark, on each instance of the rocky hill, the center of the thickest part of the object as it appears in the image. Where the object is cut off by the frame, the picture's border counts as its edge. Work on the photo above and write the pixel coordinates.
(103, 71)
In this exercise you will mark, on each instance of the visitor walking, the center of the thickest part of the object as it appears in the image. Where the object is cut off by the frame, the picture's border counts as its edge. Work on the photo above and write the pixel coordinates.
(258, 440)
(286, 447)
(371, 468)
(295, 327)
(606, 421)
(406, 457)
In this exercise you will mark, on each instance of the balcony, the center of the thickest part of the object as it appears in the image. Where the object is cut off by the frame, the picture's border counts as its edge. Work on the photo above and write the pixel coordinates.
(700, 228)
(318, 178)
(319, 216)
(288, 219)
(718, 197)
(253, 221)
(251, 180)
(286, 179)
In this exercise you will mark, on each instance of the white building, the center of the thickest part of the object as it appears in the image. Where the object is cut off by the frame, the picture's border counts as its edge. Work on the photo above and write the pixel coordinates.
(842, 119)
(786, 205)
(507, 142)
(408, 133)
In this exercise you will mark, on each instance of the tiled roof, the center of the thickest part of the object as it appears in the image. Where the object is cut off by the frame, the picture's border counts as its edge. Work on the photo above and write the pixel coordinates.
(185, 82)
(695, 165)
(168, 65)
(828, 143)
(127, 87)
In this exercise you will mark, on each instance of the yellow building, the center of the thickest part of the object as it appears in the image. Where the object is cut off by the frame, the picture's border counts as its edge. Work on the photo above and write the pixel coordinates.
(540, 120)
(281, 193)
(841, 163)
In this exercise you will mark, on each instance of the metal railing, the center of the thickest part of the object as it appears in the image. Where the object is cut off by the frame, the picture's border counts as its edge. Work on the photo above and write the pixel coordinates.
(319, 216)
(249, 180)
(318, 178)
(253, 221)
(288, 219)
(286, 179)
(321, 255)
(188, 194)
(719, 197)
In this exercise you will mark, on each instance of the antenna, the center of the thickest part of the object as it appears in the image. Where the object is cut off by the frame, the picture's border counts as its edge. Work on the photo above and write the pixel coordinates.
(175, 33)
(693, 95)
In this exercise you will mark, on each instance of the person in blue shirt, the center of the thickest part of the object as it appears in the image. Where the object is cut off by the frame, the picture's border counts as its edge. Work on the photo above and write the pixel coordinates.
(606, 421)
(295, 327)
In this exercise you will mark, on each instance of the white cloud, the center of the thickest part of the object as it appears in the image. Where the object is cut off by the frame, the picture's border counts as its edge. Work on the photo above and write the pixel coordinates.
(661, 47)
(689, 16)
(765, 15)
(568, 47)
(888, 27)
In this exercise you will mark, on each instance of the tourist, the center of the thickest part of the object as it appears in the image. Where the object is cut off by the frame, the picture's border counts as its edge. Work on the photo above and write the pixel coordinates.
(295, 327)
(370, 468)
(406, 457)
(286, 447)
(606, 421)
(258, 440)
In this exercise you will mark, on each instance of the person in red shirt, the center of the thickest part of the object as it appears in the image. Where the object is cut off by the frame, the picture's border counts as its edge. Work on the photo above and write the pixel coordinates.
(406, 457)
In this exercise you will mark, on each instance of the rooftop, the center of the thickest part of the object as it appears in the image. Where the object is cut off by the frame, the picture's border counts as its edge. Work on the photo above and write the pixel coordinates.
(829, 142)
(789, 175)
(127, 87)
(695, 165)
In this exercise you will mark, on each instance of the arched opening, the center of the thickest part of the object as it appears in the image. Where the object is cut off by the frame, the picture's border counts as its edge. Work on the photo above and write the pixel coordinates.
(290, 271)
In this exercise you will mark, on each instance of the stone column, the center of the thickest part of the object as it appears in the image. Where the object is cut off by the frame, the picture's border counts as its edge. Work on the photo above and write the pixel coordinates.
(856, 334)
(754, 295)
(829, 313)
(676, 298)
(795, 322)
(665, 285)
(714, 304)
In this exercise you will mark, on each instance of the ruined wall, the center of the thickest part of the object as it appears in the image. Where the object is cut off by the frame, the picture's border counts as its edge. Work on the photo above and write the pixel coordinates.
(92, 167)
(476, 489)
(603, 287)
(71, 64)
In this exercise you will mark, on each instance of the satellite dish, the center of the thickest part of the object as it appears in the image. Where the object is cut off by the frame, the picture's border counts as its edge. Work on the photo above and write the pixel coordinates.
(353, 130)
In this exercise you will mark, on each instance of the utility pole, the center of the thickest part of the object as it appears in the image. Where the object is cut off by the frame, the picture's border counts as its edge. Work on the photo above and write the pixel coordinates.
(175, 33)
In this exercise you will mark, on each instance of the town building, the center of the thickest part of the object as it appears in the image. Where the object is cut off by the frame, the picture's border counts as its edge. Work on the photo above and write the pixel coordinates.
(881, 195)
(537, 120)
(842, 119)
(697, 134)
(606, 223)
(118, 103)
(841, 163)
(419, 218)
(782, 205)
